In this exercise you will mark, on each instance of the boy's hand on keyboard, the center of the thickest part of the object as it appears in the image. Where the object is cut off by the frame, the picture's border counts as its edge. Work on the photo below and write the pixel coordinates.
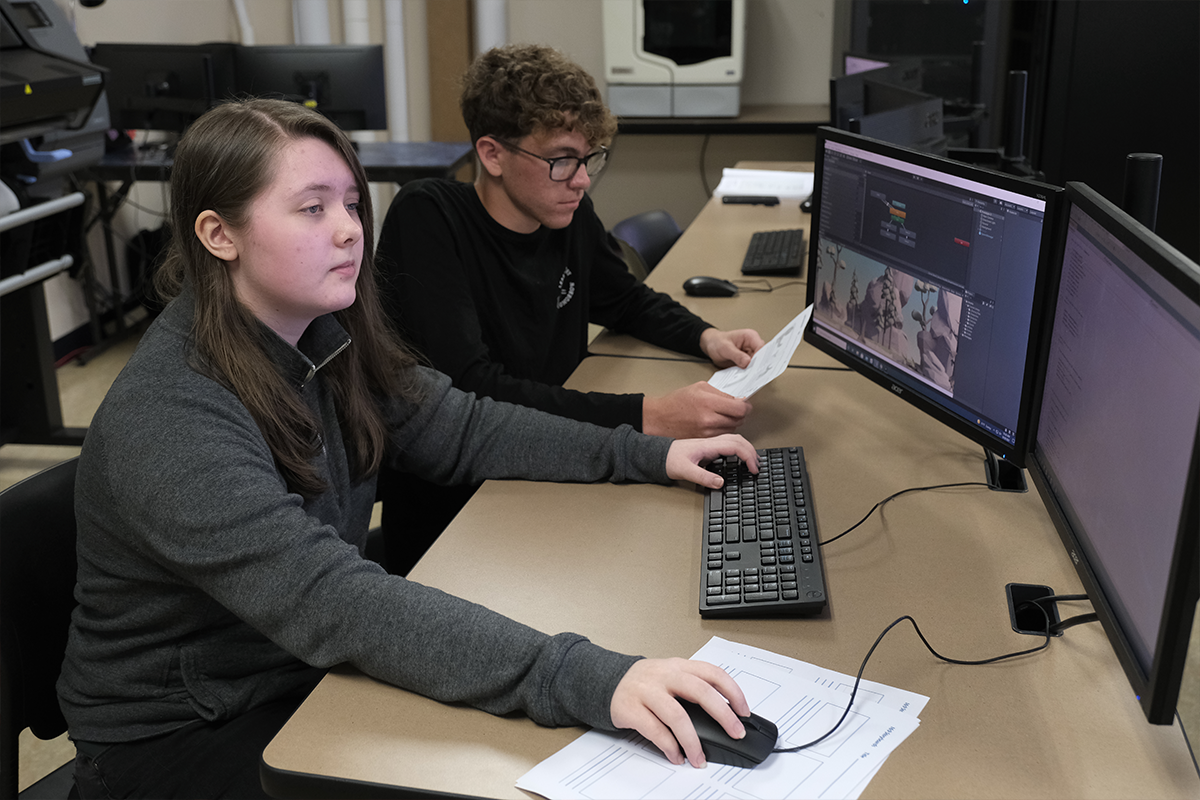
(697, 410)
(686, 458)
(645, 701)
(730, 348)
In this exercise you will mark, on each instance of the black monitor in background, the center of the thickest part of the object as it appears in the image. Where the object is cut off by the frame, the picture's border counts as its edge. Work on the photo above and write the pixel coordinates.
(164, 86)
(929, 277)
(903, 116)
(846, 92)
(1117, 451)
(888, 103)
(343, 82)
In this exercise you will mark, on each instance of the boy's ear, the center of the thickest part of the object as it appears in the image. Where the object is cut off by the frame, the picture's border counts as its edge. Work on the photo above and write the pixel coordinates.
(488, 150)
(214, 235)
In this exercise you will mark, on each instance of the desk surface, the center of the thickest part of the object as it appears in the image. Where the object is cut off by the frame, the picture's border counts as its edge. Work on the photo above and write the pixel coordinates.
(1062, 723)
(715, 244)
(384, 161)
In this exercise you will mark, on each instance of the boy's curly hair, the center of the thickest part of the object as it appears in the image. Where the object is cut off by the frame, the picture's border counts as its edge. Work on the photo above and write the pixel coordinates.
(515, 90)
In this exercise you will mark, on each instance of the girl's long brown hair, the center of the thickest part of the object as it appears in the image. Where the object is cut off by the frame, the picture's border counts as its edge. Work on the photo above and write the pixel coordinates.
(222, 164)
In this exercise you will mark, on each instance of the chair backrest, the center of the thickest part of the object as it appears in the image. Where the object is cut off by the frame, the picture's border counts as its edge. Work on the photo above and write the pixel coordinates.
(650, 233)
(37, 595)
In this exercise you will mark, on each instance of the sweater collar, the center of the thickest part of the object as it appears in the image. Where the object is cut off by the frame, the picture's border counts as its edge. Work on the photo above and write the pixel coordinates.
(320, 344)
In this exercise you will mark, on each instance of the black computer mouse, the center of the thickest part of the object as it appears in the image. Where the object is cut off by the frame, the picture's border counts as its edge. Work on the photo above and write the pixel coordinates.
(704, 286)
(720, 748)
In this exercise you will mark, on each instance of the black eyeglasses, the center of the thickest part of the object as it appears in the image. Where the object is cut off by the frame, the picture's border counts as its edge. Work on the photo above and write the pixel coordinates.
(564, 168)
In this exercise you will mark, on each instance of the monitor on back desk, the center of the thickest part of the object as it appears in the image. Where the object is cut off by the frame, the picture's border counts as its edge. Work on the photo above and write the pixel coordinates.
(928, 276)
(1117, 451)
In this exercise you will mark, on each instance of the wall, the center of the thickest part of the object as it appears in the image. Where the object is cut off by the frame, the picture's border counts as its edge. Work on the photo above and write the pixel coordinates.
(788, 45)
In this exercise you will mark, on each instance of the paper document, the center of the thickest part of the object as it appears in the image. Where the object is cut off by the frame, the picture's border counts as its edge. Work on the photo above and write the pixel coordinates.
(767, 364)
(783, 184)
(805, 701)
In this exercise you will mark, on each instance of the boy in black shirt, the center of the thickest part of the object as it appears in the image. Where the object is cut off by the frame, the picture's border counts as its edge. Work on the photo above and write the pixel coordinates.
(495, 282)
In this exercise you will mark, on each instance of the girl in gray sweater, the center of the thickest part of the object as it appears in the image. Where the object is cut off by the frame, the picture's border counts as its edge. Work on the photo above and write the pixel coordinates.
(226, 484)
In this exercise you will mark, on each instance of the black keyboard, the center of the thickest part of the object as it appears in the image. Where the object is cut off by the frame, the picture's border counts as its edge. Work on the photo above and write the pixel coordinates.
(761, 556)
(774, 253)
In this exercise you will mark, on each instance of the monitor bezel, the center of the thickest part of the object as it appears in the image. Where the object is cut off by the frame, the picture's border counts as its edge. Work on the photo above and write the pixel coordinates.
(1158, 689)
(1017, 452)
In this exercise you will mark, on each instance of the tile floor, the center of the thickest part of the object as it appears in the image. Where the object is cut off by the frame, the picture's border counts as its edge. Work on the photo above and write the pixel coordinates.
(81, 388)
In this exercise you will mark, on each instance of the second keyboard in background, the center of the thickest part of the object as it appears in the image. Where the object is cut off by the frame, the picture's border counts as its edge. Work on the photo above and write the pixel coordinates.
(761, 554)
(775, 253)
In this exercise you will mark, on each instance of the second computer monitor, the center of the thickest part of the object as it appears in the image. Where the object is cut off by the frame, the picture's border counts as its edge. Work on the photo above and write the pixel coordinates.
(929, 277)
(1117, 452)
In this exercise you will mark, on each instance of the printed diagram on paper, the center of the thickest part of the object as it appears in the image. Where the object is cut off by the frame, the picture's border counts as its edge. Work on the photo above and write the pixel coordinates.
(803, 700)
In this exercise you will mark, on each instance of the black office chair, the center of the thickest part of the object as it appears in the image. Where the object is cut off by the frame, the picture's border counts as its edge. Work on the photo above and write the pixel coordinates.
(650, 234)
(37, 595)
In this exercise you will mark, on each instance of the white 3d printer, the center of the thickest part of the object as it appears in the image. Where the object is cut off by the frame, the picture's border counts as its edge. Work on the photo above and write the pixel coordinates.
(674, 58)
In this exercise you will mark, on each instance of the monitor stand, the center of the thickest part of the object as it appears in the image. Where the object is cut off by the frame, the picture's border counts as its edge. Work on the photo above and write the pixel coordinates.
(1003, 476)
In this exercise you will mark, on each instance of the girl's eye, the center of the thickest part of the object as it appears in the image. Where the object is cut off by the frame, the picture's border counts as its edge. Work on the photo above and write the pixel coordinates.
(352, 207)
(311, 210)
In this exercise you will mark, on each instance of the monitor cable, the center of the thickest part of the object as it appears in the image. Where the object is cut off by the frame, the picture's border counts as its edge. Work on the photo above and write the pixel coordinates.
(888, 499)
(1051, 630)
(763, 285)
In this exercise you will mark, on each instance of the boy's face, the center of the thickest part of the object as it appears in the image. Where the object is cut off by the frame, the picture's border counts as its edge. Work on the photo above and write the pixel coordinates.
(535, 199)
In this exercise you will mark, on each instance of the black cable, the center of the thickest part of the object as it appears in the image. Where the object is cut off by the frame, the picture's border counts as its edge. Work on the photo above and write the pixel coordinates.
(767, 285)
(703, 176)
(893, 497)
(1037, 602)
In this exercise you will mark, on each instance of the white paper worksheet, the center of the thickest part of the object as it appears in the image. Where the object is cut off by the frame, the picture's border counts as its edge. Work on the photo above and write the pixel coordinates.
(767, 364)
(805, 701)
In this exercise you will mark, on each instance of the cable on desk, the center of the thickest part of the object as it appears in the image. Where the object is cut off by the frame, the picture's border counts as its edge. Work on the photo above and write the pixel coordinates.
(769, 287)
(893, 497)
(1037, 602)
(703, 176)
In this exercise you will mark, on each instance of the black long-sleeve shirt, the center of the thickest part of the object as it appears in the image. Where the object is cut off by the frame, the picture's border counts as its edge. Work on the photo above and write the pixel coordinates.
(506, 314)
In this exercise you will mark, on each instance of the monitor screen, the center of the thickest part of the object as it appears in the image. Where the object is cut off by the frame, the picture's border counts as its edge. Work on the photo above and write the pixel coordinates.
(1115, 454)
(929, 277)
(343, 82)
(165, 86)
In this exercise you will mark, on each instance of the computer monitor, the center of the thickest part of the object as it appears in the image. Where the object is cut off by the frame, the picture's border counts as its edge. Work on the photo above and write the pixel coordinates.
(1117, 449)
(929, 277)
(888, 103)
(343, 82)
(165, 86)
(846, 92)
(902, 116)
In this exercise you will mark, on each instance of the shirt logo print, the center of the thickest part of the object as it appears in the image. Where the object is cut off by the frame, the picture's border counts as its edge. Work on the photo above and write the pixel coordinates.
(566, 288)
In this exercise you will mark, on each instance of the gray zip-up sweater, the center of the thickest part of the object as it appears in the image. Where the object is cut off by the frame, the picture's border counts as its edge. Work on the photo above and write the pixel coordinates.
(206, 588)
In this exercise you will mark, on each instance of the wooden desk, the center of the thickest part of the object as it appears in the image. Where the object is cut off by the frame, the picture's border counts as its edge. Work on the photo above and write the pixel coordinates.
(714, 244)
(620, 563)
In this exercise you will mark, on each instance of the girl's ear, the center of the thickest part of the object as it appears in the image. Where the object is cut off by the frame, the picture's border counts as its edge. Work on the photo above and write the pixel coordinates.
(214, 235)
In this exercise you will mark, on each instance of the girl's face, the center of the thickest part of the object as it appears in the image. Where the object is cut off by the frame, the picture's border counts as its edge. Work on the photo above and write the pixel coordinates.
(299, 255)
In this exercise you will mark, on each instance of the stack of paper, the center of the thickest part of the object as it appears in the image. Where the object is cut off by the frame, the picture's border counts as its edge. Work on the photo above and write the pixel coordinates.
(783, 184)
(805, 701)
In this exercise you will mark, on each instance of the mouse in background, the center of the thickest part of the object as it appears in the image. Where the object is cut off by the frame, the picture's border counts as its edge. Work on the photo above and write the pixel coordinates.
(704, 286)
(806, 205)
(720, 748)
